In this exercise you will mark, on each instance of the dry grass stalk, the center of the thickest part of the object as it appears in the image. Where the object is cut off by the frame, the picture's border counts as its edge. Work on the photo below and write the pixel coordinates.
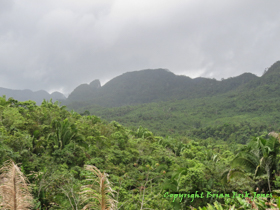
(14, 191)
(98, 194)
(274, 134)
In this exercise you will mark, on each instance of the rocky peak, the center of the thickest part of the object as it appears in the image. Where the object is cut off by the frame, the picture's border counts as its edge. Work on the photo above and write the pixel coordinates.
(95, 84)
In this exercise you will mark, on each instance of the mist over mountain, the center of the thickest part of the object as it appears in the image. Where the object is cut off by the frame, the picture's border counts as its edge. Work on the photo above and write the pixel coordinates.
(37, 96)
(154, 85)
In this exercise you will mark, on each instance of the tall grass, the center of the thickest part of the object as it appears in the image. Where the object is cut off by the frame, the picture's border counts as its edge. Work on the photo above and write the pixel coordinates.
(14, 190)
(98, 194)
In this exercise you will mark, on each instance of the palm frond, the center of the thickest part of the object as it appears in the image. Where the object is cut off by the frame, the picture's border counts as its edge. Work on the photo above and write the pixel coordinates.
(14, 189)
(247, 161)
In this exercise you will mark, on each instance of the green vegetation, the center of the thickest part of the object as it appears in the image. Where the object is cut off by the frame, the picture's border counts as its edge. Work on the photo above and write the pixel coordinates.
(231, 109)
(129, 169)
(208, 149)
(223, 117)
(148, 86)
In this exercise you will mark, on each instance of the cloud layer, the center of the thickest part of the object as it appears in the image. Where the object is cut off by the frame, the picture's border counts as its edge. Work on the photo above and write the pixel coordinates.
(59, 44)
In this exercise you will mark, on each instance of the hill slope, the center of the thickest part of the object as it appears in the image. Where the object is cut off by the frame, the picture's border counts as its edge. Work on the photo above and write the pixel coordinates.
(147, 86)
(243, 99)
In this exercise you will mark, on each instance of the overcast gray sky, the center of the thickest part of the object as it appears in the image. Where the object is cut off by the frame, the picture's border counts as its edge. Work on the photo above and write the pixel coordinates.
(59, 44)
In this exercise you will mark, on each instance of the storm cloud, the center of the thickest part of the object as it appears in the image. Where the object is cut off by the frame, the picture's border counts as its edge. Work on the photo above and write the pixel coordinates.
(56, 45)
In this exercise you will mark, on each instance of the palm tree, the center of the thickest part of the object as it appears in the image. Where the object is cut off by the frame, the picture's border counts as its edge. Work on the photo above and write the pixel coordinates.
(64, 134)
(259, 158)
(98, 194)
(14, 190)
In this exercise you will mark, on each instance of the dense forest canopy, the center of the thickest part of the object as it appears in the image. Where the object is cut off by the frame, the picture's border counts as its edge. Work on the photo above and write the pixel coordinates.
(52, 146)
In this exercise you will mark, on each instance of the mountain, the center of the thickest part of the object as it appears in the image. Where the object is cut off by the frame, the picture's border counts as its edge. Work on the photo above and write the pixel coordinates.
(25, 95)
(56, 96)
(149, 85)
(268, 84)
(156, 85)
(246, 101)
(170, 104)
(85, 91)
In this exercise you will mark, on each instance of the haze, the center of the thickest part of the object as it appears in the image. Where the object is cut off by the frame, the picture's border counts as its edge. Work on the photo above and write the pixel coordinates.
(56, 45)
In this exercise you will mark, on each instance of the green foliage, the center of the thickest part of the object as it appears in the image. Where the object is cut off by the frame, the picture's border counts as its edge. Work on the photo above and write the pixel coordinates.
(232, 110)
(53, 145)
(259, 158)
(232, 119)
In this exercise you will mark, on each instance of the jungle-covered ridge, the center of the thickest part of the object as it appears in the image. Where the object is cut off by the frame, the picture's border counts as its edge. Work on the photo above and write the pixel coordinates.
(216, 141)
(156, 85)
(60, 154)
(152, 85)
(171, 105)
(245, 104)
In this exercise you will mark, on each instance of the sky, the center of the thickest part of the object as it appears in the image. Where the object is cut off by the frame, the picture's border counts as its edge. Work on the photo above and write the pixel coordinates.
(56, 45)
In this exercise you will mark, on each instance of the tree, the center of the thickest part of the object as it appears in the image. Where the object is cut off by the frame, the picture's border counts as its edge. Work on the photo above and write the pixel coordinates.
(259, 158)
(64, 134)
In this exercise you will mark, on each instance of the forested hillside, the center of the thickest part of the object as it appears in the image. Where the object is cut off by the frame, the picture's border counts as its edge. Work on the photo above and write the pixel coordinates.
(237, 107)
(244, 115)
(51, 146)
(166, 154)
(148, 86)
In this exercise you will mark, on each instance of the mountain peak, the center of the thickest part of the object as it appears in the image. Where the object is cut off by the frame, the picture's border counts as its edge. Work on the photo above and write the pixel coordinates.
(95, 84)
(274, 69)
(57, 96)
